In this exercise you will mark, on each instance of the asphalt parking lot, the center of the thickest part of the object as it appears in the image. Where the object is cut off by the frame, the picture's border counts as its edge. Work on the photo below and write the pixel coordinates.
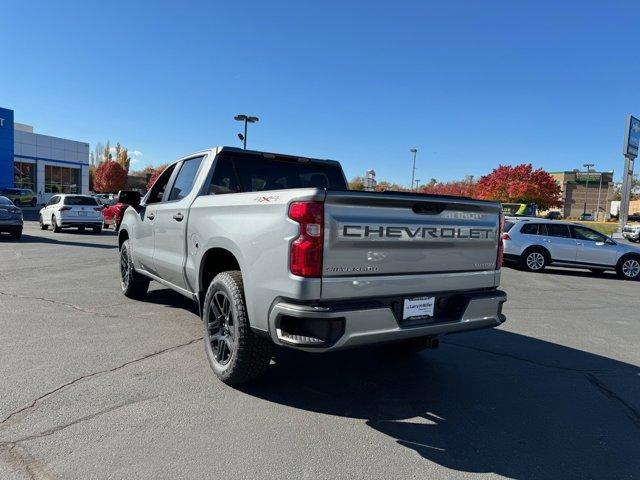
(94, 385)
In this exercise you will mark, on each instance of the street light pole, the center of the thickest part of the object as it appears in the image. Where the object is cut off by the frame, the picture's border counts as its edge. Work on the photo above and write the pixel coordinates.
(586, 194)
(246, 119)
(417, 183)
(413, 171)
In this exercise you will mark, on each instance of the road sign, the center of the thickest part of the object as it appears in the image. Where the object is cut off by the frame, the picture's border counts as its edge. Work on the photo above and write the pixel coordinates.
(631, 137)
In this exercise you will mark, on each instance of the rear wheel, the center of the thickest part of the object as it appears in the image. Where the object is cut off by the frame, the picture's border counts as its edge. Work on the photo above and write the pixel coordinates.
(534, 260)
(629, 267)
(133, 284)
(54, 224)
(235, 353)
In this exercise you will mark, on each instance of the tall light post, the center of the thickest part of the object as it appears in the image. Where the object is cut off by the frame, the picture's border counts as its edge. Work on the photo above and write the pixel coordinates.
(246, 119)
(586, 194)
(413, 171)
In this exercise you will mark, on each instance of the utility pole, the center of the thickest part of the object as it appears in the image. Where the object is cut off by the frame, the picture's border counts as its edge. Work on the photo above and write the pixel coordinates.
(413, 171)
(246, 119)
(586, 195)
(417, 183)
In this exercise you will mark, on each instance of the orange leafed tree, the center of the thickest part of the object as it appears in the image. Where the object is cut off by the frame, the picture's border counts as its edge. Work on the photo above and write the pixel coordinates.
(520, 184)
(109, 177)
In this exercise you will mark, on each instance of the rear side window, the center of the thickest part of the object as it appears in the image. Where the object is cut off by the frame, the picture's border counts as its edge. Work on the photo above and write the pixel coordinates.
(557, 230)
(224, 177)
(185, 179)
(257, 173)
(80, 201)
(529, 229)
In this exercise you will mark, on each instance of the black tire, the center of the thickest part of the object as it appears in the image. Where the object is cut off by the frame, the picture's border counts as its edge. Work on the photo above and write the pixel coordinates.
(16, 233)
(133, 284)
(55, 226)
(33, 202)
(42, 225)
(97, 229)
(236, 354)
(628, 267)
(597, 271)
(534, 260)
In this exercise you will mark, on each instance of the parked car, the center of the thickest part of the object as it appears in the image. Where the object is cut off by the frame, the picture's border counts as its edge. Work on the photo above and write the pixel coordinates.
(276, 250)
(631, 231)
(20, 196)
(587, 217)
(535, 244)
(105, 198)
(553, 215)
(66, 210)
(10, 218)
(112, 214)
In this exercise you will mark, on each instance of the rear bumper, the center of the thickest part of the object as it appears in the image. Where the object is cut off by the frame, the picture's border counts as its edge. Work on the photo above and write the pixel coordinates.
(11, 225)
(335, 326)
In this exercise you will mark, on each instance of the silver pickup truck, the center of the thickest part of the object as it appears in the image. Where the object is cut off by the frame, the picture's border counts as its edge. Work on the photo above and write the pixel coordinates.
(276, 250)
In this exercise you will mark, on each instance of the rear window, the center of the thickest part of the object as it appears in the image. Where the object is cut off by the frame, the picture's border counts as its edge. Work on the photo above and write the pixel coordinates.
(80, 201)
(255, 174)
(507, 226)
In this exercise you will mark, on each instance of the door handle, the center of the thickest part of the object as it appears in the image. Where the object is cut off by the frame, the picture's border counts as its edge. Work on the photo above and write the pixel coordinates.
(178, 217)
(151, 215)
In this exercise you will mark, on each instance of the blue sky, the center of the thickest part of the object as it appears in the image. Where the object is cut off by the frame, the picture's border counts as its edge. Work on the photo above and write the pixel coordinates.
(470, 84)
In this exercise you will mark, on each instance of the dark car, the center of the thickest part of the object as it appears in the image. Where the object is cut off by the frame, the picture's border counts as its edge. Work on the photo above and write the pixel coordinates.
(10, 218)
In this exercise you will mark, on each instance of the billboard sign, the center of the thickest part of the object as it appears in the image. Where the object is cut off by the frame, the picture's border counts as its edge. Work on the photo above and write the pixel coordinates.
(631, 137)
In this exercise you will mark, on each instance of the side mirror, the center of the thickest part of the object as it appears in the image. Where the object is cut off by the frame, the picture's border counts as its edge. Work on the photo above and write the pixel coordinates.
(129, 197)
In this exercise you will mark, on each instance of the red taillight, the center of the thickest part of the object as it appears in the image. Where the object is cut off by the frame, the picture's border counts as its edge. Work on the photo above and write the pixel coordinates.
(500, 254)
(305, 252)
(505, 236)
(63, 209)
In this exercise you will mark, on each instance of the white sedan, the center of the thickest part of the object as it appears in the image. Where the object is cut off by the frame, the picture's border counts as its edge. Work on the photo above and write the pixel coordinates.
(66, 210)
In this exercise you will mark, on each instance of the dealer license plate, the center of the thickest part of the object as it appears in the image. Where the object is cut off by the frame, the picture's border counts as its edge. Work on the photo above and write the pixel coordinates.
(82, 214)
(418, 307)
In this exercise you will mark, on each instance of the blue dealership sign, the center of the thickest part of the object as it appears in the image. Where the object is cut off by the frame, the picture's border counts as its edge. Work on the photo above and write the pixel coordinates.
(6, 148)
(631, 137)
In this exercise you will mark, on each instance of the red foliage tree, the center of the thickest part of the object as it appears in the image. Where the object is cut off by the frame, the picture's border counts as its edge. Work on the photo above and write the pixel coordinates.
(109, 177)
(154, 176)
(457, 188)
(521, 184)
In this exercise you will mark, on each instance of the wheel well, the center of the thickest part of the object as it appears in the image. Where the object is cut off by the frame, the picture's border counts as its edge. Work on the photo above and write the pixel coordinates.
(544, 251)
(122, 236)
(215, 261)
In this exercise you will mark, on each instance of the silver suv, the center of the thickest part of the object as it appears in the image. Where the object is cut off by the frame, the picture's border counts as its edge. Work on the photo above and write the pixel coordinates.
(536, 243)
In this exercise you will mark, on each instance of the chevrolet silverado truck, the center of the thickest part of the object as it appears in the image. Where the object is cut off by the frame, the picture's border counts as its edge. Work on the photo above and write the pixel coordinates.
(277, 251)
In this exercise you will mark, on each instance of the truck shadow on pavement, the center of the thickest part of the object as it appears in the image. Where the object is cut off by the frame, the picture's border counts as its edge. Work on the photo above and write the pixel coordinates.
(58, 241)
(487, 402)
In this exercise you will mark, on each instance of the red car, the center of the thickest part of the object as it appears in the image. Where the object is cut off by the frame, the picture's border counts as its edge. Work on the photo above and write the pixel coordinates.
(112, 215)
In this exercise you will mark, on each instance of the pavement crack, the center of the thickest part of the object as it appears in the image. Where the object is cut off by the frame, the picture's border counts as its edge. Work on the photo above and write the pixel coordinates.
(6, 422)
(528, 360)
(629, 410)
(58, 302)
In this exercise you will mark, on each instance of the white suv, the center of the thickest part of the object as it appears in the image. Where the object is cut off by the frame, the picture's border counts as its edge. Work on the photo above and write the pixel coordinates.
(536, 243)
(63, 211)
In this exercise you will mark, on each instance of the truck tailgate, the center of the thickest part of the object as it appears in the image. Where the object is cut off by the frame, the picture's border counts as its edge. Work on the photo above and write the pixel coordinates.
(396, 234)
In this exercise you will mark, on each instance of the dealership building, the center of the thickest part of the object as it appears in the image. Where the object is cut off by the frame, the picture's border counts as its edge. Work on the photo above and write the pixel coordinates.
(42, 163)
(590, 192)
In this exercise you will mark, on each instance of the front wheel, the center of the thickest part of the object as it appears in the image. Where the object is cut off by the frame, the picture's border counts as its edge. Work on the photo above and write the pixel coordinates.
(534, 260)
(133, 284)
(629, 268)
(236, 354)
